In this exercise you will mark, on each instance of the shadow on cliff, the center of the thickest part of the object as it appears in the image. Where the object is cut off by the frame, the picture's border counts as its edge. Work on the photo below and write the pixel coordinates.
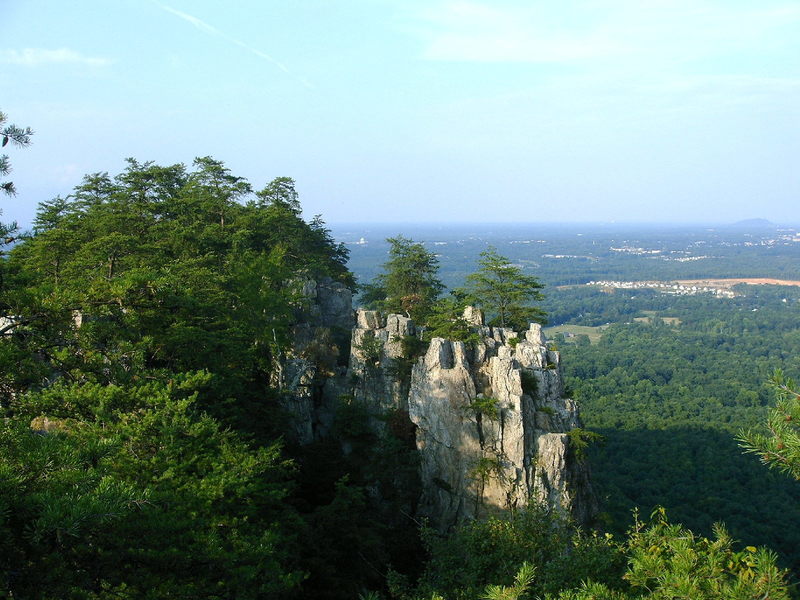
(701, 477)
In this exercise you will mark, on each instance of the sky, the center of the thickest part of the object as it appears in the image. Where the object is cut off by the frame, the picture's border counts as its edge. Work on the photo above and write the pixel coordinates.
(421, 111)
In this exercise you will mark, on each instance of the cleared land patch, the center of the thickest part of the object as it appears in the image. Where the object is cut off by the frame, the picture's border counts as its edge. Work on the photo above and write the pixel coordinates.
(649, 319)
(594, 333)
(729, 283)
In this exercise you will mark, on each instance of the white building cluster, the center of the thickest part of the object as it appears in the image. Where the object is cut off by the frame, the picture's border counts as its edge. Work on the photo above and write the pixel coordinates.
(677, 289)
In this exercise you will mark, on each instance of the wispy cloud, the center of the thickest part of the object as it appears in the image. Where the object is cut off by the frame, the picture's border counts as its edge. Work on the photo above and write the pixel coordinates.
(596, 30)
(213, 31)
(34, 57)
(199, 24)
(476, 32)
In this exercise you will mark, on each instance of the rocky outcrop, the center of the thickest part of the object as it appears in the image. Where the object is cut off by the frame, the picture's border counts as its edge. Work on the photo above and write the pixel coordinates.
(561, 480)
(376, 360)
(491, 420)
(492, 429)
(312, 374)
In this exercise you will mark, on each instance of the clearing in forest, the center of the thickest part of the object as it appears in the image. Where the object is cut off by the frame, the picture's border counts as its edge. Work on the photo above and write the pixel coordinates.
(729, 283)
(569, 331)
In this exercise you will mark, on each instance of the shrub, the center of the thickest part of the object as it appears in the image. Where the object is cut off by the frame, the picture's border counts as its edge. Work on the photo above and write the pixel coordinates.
(486, 407)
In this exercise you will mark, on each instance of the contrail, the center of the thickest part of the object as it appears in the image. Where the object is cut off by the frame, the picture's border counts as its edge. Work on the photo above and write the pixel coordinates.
(211, 30)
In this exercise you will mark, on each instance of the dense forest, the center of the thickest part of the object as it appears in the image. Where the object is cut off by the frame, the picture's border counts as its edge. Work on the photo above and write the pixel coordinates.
(143, 451)
(670, 393)
(572, 254)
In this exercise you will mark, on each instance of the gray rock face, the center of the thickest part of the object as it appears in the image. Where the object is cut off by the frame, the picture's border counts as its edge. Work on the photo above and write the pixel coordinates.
(474, 316)
(442, 392)
(335, 304)
(492, 429)
(560, 479)
(375, 357)
(311, 375)
(491, 420)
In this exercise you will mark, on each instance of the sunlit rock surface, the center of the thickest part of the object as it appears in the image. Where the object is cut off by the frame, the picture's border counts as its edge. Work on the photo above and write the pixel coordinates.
(491, 419)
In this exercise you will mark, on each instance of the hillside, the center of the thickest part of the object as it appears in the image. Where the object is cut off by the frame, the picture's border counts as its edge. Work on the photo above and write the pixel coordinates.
(191, 408)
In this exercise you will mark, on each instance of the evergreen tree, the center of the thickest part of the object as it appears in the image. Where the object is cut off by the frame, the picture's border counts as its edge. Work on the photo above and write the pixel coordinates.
(780, 447)
(410, 283)
(133, 492)
(142, 320)
(504, 291)
(16, 136)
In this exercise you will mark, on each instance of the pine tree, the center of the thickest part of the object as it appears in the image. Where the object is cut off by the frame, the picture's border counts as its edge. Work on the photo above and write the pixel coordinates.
(504, 291)
(410, 283)
(780, 447)
(16, 136)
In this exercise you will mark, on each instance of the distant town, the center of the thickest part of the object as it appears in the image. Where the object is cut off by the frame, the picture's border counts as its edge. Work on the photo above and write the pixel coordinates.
(674, 288)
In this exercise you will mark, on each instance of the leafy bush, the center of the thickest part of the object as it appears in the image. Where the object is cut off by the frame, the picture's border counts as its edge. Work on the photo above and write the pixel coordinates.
(371, 349)
(447, 321)
(491, 553)
(485, 406)
(412, 348)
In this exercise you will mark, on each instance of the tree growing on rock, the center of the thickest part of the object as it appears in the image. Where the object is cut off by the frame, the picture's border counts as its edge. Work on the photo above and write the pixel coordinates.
(502, 290)
(410, 283)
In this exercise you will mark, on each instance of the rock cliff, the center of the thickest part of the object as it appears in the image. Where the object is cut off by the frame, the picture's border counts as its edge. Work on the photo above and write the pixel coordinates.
(376, 353)
(492, 428)
(312, 373)
(492, 420)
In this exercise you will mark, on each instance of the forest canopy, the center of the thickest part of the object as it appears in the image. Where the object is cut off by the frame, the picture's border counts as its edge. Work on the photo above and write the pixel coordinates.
(141, 450)
(143, 446)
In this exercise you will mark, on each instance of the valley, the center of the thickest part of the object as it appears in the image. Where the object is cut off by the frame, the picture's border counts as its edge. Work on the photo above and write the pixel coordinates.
(669, 359)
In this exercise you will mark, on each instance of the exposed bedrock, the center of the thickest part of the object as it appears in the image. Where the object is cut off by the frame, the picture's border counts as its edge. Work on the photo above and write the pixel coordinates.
(492, 429)
(492, 421)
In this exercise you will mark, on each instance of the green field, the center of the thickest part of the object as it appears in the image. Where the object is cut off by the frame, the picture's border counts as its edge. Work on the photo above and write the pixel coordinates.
(594, 333)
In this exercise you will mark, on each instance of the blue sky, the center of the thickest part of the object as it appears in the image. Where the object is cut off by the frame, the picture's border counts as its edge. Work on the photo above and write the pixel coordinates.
(412, 111)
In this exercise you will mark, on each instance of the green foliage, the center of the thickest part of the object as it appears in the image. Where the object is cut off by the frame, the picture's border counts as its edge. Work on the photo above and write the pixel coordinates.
(351, 423)
(410, 283)
(504, 291)
(780, 448)
(486, 407)
(522, 581)
(492, 552)
(134, 489)
(546, 558)
(412, 348)
(670, 402)
(487, 466)
(370, 348)
(447, 321)
(582, 340)
(358, 502)
(166, 270)
(16, 136)
(669, 561)
(143, 320)
(580, 439)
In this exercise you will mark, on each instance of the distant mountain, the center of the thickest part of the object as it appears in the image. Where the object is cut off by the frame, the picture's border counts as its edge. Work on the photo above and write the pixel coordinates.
(753, 224)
